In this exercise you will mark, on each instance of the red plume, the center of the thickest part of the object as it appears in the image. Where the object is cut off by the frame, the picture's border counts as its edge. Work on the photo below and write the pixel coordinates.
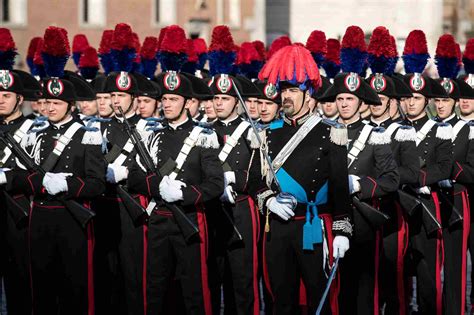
(446, 46)
(316, 42)
(469, 50)
(247, 54)
(393, 45)
(89, 58)
(415, 43)
(56, 42)
(123, 37)
(260, 47)
(106, 42)
(33, 46)
(381, 44)
(191, 51)
(334, 51)
(174, 40)
(6, 40)
(277, 44)
(354, 38)
(79, 43)
(149, 48)
(222, 39)
(38, 59)
(200, 46)
(161, 36)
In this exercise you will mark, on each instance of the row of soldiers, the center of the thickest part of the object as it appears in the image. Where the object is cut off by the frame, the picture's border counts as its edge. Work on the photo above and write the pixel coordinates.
(135, 196)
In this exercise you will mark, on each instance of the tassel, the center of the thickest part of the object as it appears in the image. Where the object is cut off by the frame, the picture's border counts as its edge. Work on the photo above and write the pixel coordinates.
(338, 135)
(252, 137)
(308, 237)
(405, 133)
(267, 221)
(444, 131)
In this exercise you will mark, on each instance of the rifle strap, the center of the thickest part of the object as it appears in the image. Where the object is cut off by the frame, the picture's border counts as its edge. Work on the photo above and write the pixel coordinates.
(232, 141)
(423, 132)
(19, 134)
(359, 145)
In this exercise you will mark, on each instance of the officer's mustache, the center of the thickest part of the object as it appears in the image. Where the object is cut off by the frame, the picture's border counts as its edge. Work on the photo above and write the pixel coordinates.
(288, 101)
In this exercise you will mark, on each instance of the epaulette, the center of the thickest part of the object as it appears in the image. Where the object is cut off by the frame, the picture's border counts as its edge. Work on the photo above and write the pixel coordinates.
(378, 136)
(405, 133)
(207, 139)
(252, 137)
(338, 134)
(92, 135)
(40, 124)
(471, 129)
(444, 131)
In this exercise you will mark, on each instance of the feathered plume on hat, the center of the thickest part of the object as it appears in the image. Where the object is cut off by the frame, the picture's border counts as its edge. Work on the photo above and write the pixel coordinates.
(392, 60)
(317, 45)
(222, 51)
(295, 65)
(459, 58)
(122, 48)
(380, 51)
(79, 44)
(468, 57)
(30, 56)
(172, 49)
(353, 50)
(200, 48)
(260, 47)
(446, 56)
(249, 61)
(332, 61)
(191, 64)
(38, 61)
(89, 63)
(56, 51)
(7, 50)
(415, 54)
(278, 44)
(105, 53)
(136, 66)
(148, 56)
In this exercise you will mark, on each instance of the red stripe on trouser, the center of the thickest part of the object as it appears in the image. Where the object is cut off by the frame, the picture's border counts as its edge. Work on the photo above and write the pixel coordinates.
(204, 275)
(465, 236)
(144, 204)
(401, 248)
(376, 275)
(303, 301)
(266, 278)
(439, 258)
(255, 224)
(90, 268)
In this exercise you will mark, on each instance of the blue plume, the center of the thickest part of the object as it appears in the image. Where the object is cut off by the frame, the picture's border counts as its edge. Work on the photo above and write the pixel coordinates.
(54, 65)
(30, 63)
(149, 67)
(137, 67)
(250, 70)
(76, 57)
(89, 73)
(378, 64)
(202, 61)
(319, 58)
(353, 60)
(331, 68)
(221, 62)
(392, 63)
(189, 67)
(107, 62)
(468, 65)
(123, 59)
(446, 67)
(7, 59)
(415, 63)
(172, 61)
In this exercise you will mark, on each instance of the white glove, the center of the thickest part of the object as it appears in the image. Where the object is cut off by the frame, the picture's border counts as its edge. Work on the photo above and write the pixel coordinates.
(340, 245)
(229, 178)
(425, 190)
(446, 183)
(170, 189)
(116, 173)
(228, 195)
(3, 177)
(55, 183)
(283, 210)
(354, 185)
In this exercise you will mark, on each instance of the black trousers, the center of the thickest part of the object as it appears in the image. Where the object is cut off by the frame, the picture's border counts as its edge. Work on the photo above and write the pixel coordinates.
(170, 258)
(61, 262)
(427, 257)
(17, 271)
(455, 237)
(286, 264)
(393, 297)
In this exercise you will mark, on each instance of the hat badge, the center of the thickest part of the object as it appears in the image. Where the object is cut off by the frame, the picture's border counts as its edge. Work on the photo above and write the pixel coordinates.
(123, 81)
(6, 79)
(417, 82)
(171, 81)
(447, 85)
(378, 83)
(224, 84)
(352, 82)
(55, 87)
(270, 91)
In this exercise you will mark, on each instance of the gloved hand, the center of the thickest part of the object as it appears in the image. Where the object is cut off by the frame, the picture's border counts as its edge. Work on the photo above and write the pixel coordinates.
(229, 178)
(170, 189)
(228, 195)
(282, 205)
(354, 185)
(425, 190)
(3, 177)
(446, 183)
(116, 173)
(55, 183)
(340, 245)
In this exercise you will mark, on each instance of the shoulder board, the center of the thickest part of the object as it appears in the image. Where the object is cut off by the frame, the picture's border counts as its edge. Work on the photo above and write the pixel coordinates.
(203, 125)
(252, 138)
(332, 123)
(405, 133)
(92, 135)
(276, 124)
(207, 139)
(378, 136)
(39, 125)
(444, 131)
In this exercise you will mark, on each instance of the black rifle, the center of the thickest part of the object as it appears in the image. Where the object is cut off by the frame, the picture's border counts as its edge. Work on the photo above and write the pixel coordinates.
(428, 218)
(455, 215)
(187, 227)
(18, 213)
(80, 213)
(134, 209)
(367, 220)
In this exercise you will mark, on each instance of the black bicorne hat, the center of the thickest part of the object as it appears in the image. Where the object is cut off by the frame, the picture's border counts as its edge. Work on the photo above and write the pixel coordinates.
(174, 83)
(121, 82)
